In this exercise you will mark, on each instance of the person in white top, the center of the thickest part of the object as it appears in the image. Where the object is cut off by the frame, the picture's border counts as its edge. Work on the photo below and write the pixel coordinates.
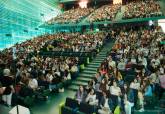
(6, 93)
(115, 92)
(33, 83)
(135, 85)
(91, 98)
(121, 65)
(111, 63)
(104, 105)
(141, 100)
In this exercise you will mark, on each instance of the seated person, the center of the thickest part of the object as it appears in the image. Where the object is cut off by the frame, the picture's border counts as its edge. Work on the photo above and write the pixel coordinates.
(81, 94)
(104, 105)
(91, 98)
(6, 93)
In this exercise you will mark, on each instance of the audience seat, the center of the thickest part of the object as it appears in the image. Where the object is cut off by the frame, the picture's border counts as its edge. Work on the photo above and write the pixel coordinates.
(78, 112)
(66, 110)
(99, 95)
(86, 108)
(71, 103)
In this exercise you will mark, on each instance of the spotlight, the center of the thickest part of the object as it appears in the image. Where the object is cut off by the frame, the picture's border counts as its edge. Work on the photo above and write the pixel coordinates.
(83, 4)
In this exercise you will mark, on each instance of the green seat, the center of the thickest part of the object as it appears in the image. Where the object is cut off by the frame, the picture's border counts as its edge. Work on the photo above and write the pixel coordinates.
(28, 101)
(66, 110)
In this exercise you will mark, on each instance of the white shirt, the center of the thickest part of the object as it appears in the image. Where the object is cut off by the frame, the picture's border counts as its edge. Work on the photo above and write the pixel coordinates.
(112, 64)
(135, 85)
(106, 103)
(121, 66)
(33, 83)
(133, 60)
(115, 90)
(49, 77)
(91, 99)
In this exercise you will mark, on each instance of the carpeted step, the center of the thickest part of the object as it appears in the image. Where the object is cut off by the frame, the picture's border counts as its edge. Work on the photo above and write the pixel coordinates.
(149, 112)
(91, 69)
(98, 59)
(102, 55)
(87, 76)
(93, 66)
(97, 64)
(78, 83)
(73, 88)
(89, 72)
(84, 74)
(83, 79)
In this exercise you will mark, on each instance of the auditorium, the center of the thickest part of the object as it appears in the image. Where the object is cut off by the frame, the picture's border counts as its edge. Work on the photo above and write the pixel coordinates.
(82, 56)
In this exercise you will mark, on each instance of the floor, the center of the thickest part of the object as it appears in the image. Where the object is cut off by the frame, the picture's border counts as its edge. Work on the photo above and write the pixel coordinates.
(51, 106)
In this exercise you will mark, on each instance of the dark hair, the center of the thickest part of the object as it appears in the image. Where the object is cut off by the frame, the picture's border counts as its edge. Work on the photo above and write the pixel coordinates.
(7, 91)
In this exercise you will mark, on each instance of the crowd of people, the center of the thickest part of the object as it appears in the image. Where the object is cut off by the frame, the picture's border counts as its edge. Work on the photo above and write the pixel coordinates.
(136, 9)
(75, 42)
(21, 65)
(132, 76)
(71, 16)
(142, 9)
(104, 13)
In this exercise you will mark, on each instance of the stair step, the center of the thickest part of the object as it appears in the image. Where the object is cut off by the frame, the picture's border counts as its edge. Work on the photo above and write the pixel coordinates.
(78, 83)
(87, 76)
(97, 61)
(91, 69)
(73, 88)
(97, 64)
(89, 72)
(149, 112)
(100, 57)
(103, 52)
(93, 66)
(83, 79)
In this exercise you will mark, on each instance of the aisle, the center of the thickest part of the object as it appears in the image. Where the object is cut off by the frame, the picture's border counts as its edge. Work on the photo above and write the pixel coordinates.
(91, 69)
(52, 105)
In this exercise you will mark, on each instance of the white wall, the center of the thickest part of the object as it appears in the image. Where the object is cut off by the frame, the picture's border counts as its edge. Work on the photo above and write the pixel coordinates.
(117, 1)
(161, 23)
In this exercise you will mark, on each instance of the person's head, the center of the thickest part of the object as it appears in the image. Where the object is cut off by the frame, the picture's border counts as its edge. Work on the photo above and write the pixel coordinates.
(125, 86)
(121, 60)
(81, 88)
(92, 91)
(103, 81)
(135, 80)
(6, 72)
(110, 58)
(7, 91)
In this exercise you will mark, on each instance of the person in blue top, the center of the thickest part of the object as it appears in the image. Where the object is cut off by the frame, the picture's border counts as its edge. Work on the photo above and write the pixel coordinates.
(148, 89)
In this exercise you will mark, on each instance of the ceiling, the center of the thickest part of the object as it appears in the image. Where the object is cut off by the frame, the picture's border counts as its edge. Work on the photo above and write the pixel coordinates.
(19, 19)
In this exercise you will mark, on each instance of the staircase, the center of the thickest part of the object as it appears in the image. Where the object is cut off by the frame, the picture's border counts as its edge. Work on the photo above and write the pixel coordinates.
(91, 69)
(153, 111)
(120, 14)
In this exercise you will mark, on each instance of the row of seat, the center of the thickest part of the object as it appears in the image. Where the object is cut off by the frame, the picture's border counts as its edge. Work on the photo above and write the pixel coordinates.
(72, 106)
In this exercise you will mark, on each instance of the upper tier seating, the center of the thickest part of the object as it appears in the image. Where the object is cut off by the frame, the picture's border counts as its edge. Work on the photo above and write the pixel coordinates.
(104, 13)
(71, 16)
(142, 9)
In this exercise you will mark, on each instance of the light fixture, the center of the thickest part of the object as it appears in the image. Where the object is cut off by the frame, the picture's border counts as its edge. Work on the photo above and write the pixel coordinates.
(83, 3)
